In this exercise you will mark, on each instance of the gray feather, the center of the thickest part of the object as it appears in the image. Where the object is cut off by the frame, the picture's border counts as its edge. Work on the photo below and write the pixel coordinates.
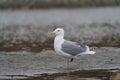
(73, 48)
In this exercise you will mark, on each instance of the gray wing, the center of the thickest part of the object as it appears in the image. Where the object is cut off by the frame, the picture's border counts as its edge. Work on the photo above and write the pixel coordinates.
(73, 48)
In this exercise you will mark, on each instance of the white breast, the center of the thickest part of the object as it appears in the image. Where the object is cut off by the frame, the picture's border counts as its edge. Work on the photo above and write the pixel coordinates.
(57, 46)
(57, 43)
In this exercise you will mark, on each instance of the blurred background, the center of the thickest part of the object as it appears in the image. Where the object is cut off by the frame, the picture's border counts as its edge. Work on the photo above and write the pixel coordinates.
(33, 4)
(25, 26)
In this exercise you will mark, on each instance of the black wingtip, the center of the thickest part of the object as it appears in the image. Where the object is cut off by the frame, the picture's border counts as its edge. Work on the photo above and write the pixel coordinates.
(71, 59)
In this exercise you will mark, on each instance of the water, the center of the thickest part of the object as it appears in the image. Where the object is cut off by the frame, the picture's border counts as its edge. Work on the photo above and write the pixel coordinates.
(64, 16)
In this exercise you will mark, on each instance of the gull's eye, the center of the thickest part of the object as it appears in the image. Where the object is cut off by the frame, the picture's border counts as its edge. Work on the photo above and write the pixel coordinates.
(58, 30)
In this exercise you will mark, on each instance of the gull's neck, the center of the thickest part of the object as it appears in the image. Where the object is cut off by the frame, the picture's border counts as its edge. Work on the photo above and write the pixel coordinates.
(59, 39)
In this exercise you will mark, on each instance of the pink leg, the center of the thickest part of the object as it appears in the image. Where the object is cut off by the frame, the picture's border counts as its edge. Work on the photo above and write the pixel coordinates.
(68, 66)
(67, 63)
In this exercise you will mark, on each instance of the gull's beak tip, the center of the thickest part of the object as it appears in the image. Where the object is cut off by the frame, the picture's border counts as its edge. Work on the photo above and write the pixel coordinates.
(52, 33)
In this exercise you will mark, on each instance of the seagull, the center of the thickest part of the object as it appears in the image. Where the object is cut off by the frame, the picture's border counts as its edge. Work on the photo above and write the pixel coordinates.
(68, 49)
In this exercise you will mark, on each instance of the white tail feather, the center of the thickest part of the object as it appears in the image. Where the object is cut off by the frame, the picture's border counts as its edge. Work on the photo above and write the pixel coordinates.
(87, 48)
(88, 51)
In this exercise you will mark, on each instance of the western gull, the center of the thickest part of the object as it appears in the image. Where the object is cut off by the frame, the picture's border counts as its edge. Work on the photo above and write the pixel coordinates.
(68, 49)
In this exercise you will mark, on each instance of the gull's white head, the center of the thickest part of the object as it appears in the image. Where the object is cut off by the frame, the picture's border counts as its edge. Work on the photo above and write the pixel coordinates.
(58, 31)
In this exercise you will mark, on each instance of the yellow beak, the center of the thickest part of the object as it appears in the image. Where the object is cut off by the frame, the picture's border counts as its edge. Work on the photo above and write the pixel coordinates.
(52, 33)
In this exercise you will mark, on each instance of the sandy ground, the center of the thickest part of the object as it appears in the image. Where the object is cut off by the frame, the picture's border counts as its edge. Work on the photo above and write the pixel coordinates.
(25, 64)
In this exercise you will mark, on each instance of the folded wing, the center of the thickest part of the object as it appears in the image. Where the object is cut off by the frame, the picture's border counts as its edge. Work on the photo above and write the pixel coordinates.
(73, 48)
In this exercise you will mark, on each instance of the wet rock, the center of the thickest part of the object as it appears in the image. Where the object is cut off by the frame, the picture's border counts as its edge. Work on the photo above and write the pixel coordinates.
(100, 65)
(115, 76)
